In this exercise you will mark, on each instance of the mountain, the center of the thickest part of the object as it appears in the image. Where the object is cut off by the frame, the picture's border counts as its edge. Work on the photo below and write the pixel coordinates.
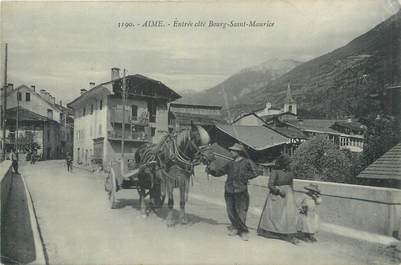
(338, 83)
(333, 85)
(241, 84)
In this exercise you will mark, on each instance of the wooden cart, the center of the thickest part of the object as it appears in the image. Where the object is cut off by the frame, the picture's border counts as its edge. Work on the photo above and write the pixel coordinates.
(119, 177)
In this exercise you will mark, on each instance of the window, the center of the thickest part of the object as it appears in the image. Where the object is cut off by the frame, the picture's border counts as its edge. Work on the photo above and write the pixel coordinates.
(19, 96)
(134, 112)
(101, 104)
(152, 111)
(27, 96)
(84, 112)
(50, 114)
(92, 109)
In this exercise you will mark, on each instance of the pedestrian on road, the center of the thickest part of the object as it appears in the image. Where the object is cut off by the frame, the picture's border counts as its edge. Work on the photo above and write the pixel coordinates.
(308, 222)
(68, 159)
(279, 216)
(236, 195)
(14, 160)
(34, 154)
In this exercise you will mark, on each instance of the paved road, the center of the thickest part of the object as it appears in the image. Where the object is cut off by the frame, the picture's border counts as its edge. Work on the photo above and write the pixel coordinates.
(79, 228)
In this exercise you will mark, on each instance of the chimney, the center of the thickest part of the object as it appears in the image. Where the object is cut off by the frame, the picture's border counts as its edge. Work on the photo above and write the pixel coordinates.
(115, 73)
(61, 103)
(83, 90)
(10, 86)
(33, 87)
(91, 84)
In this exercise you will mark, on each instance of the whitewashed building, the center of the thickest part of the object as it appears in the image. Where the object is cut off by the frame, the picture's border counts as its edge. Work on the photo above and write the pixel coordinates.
(41, 121)
(98, 112)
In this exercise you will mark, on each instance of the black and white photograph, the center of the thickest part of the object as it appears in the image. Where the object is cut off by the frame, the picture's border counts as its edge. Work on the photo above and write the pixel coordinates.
(189, 132)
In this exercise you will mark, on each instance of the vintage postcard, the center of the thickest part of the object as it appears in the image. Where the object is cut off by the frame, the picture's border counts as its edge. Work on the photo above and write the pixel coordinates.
(200, 132)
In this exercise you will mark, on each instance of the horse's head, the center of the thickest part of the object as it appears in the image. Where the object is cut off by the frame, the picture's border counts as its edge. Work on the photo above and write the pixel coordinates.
(198, 137)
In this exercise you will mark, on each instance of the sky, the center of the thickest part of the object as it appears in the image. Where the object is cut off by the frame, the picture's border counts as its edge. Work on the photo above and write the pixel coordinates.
(62, 46)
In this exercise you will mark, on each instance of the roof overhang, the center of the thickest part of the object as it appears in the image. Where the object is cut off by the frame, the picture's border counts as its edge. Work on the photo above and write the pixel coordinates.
(88, 94)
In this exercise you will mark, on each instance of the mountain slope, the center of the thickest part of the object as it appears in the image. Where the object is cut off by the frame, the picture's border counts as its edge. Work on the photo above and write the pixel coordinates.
(333, 85)
(336, 83)
(242, 83)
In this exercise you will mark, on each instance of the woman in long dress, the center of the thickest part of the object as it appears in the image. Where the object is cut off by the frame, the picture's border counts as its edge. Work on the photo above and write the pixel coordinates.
(279, 216)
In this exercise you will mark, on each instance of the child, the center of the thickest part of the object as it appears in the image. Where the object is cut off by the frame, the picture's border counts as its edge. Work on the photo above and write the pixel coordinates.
(308, 223)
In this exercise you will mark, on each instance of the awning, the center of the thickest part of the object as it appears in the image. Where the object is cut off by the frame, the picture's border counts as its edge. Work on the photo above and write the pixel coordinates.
(24, 115)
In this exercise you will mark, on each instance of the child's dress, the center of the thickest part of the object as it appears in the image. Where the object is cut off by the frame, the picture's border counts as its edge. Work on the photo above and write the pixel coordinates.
(308, 222)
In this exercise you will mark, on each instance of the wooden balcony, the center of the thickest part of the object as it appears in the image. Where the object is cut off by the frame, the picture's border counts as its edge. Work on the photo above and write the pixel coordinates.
(116, 135)
(116, 116)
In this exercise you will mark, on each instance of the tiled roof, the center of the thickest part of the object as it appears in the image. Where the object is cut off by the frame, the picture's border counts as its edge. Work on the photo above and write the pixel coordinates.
(353, 125)
(198, 119)
(246, 115)
(314, 125)
(288, 131)
(272, 116)
(388, 166)
(194, 106)
(256, 137)
(134, 82)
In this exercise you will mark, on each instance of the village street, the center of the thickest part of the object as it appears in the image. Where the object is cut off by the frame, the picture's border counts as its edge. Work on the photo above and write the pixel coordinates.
(78, 227)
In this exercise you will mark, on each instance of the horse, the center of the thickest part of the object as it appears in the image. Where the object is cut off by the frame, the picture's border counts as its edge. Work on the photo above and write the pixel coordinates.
(167, 165)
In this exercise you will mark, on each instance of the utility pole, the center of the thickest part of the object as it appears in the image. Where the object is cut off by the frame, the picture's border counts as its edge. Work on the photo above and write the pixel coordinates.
(17, 123)
(124, 98)
(4, 110)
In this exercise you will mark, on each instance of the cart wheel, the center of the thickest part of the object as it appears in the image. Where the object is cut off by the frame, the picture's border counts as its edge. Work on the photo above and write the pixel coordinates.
(113, 190)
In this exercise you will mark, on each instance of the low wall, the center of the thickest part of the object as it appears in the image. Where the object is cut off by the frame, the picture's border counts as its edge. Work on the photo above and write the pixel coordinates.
(5, 184)
(372, 209)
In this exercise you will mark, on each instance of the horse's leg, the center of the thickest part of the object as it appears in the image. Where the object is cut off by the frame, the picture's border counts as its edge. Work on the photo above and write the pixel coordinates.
(170, 218)
(183, 188)
(141, 192)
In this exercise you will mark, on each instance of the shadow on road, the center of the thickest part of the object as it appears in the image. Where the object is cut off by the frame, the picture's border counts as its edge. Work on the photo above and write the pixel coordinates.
(17, 242)
(162, 213)
(134, 203)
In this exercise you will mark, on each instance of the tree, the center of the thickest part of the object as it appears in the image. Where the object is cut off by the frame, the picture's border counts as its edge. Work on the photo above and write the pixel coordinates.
(382, 134)
(320, 159)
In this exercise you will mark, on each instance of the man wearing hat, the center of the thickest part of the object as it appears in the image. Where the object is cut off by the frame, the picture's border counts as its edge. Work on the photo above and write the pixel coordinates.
(236, 195)
(308, 223)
